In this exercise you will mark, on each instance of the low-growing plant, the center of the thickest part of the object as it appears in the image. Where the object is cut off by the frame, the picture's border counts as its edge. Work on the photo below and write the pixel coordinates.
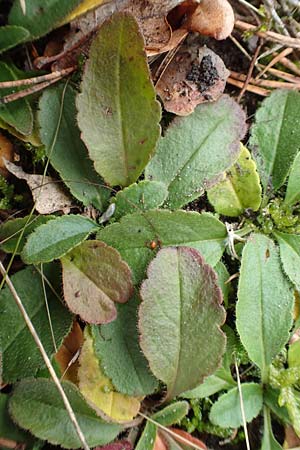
(151, 284)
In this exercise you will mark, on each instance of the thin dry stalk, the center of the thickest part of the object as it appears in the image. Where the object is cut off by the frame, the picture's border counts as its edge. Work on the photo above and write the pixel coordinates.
(250, 88)
(31, 90)
(45, 356)
(242, 404)
(284, 75)
(36, 80)
(269, 35)
(250, 71)
(275, 60)
(266, 83)
(290, 65)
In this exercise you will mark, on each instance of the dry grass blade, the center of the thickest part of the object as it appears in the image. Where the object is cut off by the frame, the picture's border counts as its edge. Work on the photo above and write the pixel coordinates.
(266, 83)
(250, 71)
(31, 90)
(250, 88)
(269, 35)
(23, 6)
(242, 404)
(36, 80)
(45, 356)
(275, 60)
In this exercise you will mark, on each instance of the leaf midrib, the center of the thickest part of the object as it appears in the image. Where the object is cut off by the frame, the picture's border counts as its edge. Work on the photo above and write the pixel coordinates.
(194, 153)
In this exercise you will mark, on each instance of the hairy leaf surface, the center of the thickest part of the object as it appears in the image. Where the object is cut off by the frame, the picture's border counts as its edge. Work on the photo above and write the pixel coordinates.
(20, 356)
(140, 196)
(117, 347)
(139, 235)
(94, 278)
(181, 307)
(37, 406)
(196, 150)
(55, 238)
(10, 231)
(172, 413)
(8, 430)
(275, 136)
(289, 245)
(64, 148)
(265, 302)
(117, 110)
(226, 411)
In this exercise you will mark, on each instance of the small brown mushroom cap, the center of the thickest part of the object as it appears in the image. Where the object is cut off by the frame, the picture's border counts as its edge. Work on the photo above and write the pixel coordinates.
(213, 18)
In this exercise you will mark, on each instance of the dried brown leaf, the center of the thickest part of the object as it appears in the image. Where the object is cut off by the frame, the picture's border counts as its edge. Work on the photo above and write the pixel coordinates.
(196, 75)
(47, 194)
(6, 152)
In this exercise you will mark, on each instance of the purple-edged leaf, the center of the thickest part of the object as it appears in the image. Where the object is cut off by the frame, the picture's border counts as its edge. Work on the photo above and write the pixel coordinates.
(118, 113)
(94, 278)
(120, 445)
(180, 318)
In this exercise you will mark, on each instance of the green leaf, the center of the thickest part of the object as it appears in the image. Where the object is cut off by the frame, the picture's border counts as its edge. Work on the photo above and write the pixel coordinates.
(171, 414)
(10, 231)
(17, 114)
(268, 440)
(94, 278)
(139, 197)
(222, 378)
(197, 149)
(139, 235)
(223, 276)
(239, 189)
(294, 354)
(21, 358)
(292, 195)
(117, 347)
(37, 406)
(41, 16)
(66, 151)
(8, 430)
(117, 110)
(147, 439)
(289, 245)
(271, 401)
(54, 239)
(264, 309)
(211, 385)
(226, 411)
(275, 136)
(180, 311)
(11, 35)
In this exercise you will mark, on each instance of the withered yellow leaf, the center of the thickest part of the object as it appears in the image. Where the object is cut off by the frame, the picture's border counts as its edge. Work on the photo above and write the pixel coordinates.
(99, 391)
(83, 8)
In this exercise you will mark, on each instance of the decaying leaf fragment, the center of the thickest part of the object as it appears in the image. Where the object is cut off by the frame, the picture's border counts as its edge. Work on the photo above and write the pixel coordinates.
(195, 75)
(47, 194)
